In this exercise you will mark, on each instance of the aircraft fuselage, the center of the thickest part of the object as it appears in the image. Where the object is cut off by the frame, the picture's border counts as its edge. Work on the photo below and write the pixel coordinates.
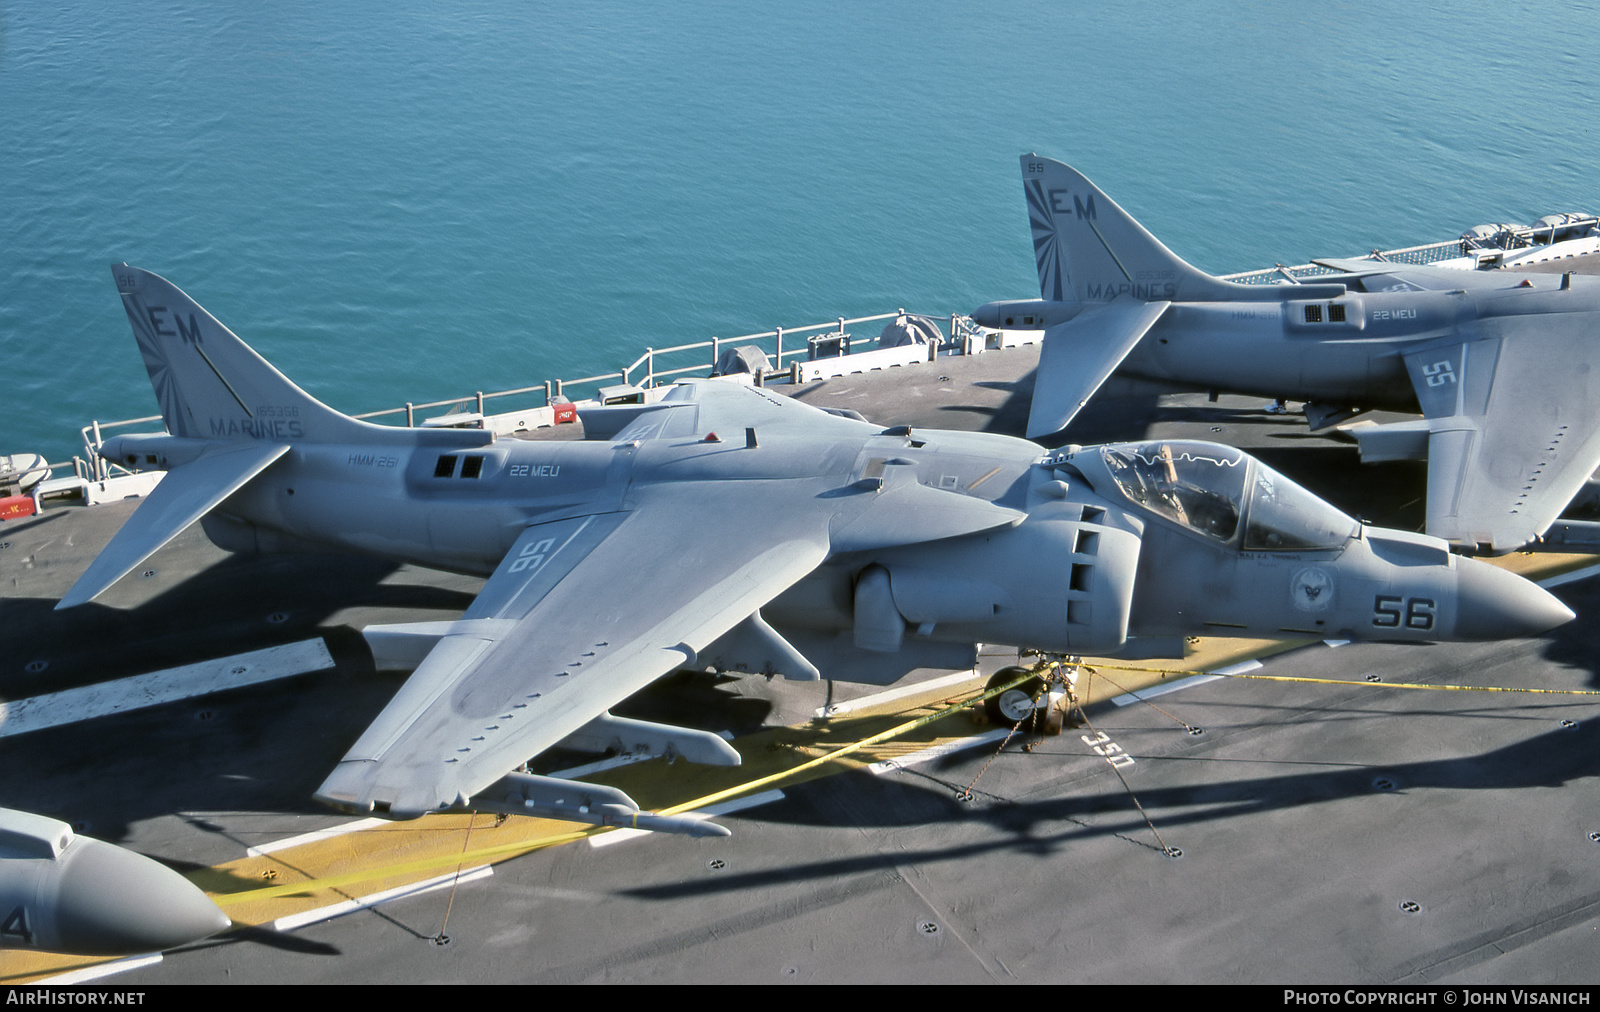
(1080, 571)
(1347, 350)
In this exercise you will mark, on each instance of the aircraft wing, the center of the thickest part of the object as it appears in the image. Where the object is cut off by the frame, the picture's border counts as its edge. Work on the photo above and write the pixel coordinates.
(1384, 276)
(1080, 354)
(1512, 435)
(586, 610)
(581, 614)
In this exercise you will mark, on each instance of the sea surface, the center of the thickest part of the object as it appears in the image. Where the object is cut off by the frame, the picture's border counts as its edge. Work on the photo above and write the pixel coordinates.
(411, 201)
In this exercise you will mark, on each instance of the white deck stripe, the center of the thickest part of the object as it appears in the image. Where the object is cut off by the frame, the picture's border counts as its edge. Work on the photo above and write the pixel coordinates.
(1185, 683)
(99, 971)
(1572, 577)
(72, 705)
(946, 681)
(927, 754)
(300, 920)
(312, 837)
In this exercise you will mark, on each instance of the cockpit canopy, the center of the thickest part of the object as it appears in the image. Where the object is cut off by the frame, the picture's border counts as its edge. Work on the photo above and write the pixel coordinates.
(1216, 490)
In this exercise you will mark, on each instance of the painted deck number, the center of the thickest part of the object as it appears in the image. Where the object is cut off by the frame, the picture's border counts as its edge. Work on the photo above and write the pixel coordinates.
(1105, 747)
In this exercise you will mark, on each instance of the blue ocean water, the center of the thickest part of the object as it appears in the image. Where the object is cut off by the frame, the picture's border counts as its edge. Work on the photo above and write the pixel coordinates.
(417, 200)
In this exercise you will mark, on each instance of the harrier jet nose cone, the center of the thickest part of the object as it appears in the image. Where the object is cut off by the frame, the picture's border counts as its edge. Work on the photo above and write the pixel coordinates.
(1495, 604)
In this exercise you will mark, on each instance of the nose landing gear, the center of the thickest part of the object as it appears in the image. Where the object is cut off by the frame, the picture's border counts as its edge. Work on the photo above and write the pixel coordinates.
(1044, 703)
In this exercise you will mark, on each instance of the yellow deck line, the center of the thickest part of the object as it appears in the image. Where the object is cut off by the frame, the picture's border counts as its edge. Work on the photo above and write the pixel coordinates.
(261, 889)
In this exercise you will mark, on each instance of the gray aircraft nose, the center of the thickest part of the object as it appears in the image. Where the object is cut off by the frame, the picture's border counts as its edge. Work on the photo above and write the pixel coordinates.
(114, 902)
(1494, 604)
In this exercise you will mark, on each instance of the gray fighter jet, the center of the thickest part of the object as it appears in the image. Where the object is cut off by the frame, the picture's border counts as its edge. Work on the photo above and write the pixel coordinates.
(729, 528)
(61, 892)
(1504, 367)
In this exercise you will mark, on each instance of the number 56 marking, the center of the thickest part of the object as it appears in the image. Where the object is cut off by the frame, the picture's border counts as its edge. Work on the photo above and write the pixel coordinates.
(1388, 611)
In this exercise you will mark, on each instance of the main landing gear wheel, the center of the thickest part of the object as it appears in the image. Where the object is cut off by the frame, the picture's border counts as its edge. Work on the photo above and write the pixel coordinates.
(1016, 705)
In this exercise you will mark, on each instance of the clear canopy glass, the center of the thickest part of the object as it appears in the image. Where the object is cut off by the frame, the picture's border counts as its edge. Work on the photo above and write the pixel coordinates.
(1215, 490)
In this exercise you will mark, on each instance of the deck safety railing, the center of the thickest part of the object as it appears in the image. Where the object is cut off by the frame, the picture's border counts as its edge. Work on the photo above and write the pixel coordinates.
(654, 366)
(784, 346)
(1430, 253)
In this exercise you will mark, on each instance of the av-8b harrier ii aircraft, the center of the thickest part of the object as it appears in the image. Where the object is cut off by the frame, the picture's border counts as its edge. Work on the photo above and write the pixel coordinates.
(1504, 367)
(727, 527)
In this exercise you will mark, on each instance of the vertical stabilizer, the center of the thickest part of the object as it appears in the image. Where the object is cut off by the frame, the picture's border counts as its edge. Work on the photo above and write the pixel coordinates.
(211, 385)
(1090, 250)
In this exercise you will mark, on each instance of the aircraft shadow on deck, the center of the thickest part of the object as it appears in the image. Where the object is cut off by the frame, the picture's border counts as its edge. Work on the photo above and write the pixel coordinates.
(1124, 410)
(238, 603)
(1036, 828)
(268, 743)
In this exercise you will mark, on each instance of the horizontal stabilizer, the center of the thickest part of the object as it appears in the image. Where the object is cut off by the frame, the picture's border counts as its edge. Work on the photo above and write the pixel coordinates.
(1080, 354)
(185, 495)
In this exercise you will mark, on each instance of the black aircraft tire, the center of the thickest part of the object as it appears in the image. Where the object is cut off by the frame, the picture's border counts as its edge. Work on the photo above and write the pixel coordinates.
(1014, 706)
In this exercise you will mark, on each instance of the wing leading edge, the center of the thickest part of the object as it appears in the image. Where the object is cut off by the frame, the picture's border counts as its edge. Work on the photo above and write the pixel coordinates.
(1511, 437)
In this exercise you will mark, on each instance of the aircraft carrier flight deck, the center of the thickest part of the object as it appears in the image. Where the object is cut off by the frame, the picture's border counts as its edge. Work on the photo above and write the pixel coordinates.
(1339, 828)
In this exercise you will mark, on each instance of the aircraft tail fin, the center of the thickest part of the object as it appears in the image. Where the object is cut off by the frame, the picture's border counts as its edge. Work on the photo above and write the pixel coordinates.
(211, 385)
(1090, 250)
